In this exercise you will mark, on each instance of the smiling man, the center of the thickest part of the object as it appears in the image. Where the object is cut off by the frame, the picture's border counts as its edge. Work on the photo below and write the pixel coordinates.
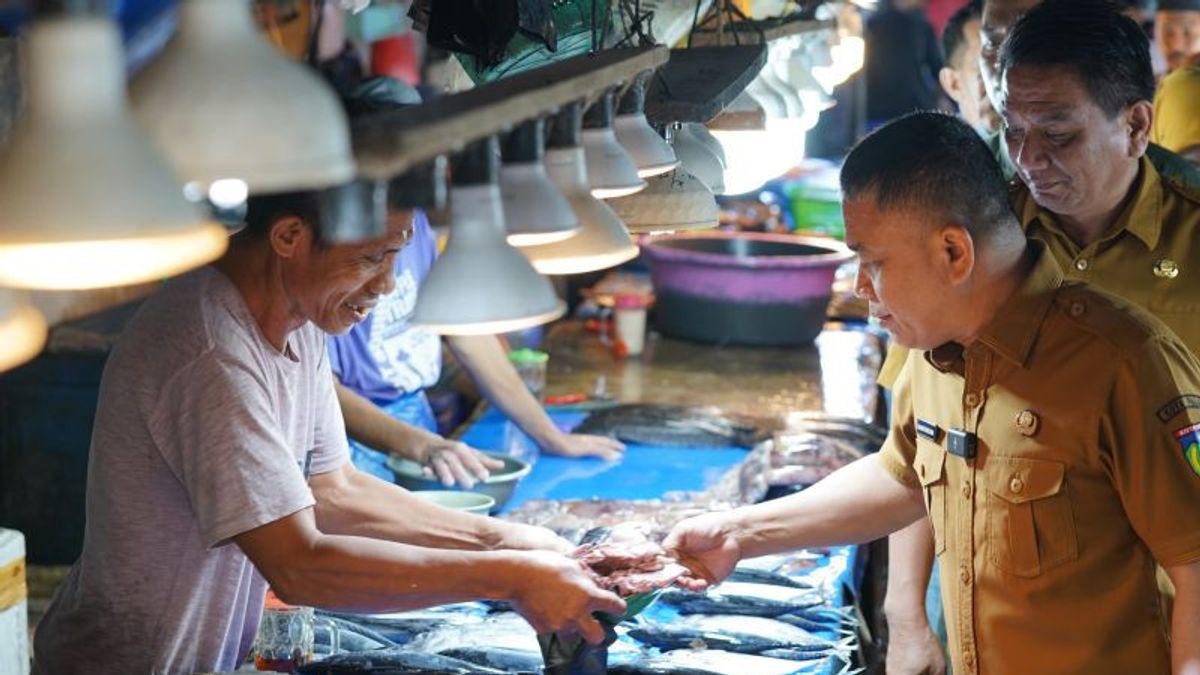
(1048, 436)
(219, 464)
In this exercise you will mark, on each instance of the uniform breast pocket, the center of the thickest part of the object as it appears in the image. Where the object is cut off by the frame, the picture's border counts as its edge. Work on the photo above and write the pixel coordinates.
(930, 465)
(1030, 522)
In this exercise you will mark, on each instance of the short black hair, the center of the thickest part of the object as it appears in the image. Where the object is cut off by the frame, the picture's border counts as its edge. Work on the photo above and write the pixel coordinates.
(954, 35)
(263, 210)
(934, 163)
(1108, 50)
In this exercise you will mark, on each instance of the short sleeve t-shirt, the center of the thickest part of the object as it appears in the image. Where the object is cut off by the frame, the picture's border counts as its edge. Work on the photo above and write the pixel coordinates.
(204, 431)
(385, 357)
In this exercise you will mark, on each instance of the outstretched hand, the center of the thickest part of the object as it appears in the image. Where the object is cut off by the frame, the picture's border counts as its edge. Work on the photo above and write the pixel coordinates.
(706, 545)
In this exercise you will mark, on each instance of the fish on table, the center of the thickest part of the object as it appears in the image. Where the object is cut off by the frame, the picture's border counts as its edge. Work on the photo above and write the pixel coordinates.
(733, 633)
(742, 598)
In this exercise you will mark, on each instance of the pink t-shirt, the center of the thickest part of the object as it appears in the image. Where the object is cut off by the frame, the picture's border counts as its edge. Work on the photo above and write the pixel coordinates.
(203, 431)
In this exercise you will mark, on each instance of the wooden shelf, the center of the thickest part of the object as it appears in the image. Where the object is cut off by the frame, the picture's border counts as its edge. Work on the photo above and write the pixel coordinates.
(697, 83)
(390, 142)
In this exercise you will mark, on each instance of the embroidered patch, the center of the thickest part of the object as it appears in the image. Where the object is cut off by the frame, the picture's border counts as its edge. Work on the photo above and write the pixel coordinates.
(927, 429)
(1176, 406)
(1189, 440)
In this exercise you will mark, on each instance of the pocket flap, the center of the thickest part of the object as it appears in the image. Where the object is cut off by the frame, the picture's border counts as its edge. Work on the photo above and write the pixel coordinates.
(930, 462)
(1019, 480)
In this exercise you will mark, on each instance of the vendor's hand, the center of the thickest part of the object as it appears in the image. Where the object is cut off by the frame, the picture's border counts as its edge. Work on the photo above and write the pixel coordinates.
(584, 445)
(533, 538)
(555, 595)
(913, 648)
(706, 545)
(454, 462)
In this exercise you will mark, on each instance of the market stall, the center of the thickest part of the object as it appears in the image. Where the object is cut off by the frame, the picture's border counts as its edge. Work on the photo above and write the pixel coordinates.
(791, 613)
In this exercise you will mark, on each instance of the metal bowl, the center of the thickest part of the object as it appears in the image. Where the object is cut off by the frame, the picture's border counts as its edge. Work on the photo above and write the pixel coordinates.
(499, 486)
(471, 502)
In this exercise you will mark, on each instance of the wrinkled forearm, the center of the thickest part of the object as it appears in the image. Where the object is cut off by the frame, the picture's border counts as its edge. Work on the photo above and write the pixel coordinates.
(498, 380)
(356, 574)
(372, 427)
(353, 503)
(910, 562)
(859, 503)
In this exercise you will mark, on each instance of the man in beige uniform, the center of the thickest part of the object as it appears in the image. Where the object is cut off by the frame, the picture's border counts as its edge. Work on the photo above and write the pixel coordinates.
(1051, 437)
(1112, 211)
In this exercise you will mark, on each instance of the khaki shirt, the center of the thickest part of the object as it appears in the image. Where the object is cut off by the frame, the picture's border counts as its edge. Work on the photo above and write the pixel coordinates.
(1151, 256)
(1176, 124)
(1086, 471)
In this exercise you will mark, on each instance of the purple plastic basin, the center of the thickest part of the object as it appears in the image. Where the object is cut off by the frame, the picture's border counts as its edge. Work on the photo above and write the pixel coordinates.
(742, 287)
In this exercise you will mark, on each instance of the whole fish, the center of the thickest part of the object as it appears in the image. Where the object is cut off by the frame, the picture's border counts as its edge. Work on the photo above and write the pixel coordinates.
(403, 627)
(677, 426)
(709, 662)
(734, 633)
(352, 637)
(392, 661)
(744, 573)
(747, 599)
(499, 658)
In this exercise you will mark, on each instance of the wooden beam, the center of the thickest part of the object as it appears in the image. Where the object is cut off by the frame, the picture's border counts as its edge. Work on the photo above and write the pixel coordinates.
(388, 143)
(757, 31)
(697, 83)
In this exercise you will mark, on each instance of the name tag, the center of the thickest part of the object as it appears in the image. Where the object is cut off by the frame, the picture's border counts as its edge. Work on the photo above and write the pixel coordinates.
(961, 443)
(928, 430)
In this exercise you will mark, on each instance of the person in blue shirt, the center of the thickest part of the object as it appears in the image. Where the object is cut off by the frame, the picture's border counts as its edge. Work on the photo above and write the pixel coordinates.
(384, 364)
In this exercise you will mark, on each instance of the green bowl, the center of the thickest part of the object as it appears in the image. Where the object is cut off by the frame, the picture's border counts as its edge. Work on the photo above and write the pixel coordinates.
(499, 486)
(458, 500)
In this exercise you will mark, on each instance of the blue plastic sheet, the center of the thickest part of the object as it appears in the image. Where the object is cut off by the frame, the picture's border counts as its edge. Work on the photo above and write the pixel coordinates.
(646, 472)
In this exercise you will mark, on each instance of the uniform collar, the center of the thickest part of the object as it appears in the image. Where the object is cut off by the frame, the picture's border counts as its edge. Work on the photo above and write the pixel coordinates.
(1141, 217)
(1013, 330)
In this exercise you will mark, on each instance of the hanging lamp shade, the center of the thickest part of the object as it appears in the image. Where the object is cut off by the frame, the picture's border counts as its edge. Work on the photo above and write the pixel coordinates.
(480, 284)
(611, 171)
(749, 149)
(698, 159)
(535, 210)
(672, 201)
(602, 240)
(22, 331)
(650, 152)
(225, 107)
(86, 201)
(705, 137)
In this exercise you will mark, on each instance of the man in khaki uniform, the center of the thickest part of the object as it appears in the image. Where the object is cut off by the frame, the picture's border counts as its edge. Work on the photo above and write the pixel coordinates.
(1112, 210)
(1051, 438)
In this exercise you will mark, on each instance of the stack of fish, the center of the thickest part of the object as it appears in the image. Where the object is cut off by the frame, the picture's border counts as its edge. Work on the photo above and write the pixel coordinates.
(776, 614)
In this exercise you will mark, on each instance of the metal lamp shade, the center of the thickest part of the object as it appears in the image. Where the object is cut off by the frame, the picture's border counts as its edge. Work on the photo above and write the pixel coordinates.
(652, 155)
(672, 201)
(87, 202)
(601, 242)
(222, 104)
(699, 160)
(22, 331)
(535, 210)
(611, 171)
(480, 284)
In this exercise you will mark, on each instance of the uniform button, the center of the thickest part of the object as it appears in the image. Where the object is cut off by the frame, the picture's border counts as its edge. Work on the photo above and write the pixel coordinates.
(969, 660)
(1166, 269)
(971, 400)
(964, 575)
(1027, 422)
(1082, 264)
(1077, 309)
(1016, 484)
(966, 490)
